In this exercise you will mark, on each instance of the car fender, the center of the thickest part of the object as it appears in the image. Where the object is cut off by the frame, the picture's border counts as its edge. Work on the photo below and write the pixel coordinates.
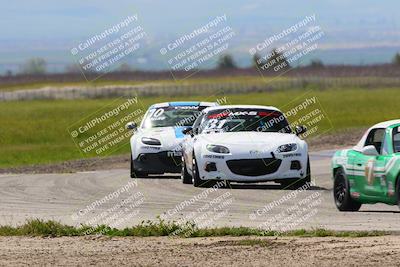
(187, 152)
(135, 144)
(339, 160)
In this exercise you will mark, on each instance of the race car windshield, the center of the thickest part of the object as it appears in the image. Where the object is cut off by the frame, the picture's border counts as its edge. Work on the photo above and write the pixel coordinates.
(244, 120)
(172, 116)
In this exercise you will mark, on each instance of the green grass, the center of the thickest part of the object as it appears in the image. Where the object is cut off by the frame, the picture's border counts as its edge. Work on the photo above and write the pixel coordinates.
(162, 228)
(35, 132)
(98, 83)
(303, 82)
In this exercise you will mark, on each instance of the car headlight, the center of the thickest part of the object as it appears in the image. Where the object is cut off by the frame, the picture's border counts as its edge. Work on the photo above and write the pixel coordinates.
(151, 141)
(218, 149)
(286, 148)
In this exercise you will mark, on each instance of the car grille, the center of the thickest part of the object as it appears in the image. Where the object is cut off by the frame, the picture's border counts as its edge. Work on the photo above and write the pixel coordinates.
(169, 159)
(254, 167)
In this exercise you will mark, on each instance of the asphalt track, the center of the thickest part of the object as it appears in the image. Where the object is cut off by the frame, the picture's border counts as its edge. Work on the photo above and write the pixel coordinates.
(86, 198)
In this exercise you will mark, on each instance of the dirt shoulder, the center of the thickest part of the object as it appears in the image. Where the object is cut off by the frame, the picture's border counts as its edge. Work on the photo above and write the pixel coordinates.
(71, 166)
(339, 140)
(330, 141)
(217, 251)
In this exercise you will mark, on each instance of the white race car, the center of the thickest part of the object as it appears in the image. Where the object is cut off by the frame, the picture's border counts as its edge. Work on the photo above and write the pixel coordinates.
(156, 145)
(244, 144)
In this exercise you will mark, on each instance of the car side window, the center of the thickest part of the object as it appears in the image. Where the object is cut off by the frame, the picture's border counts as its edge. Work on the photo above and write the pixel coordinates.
(375, 138)
(396, 140)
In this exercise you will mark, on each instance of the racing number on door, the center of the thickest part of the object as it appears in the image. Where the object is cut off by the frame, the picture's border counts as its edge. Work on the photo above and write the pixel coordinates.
(369, 171)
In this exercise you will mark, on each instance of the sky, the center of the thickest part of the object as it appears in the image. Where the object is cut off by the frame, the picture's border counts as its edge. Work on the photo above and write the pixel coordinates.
(49, 28)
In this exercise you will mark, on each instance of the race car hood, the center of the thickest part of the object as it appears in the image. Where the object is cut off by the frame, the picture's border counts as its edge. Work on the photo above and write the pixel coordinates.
(168, 136)
(238, 141)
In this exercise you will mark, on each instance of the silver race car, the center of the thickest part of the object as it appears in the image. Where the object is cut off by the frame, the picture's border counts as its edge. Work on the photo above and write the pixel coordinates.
(156, 145)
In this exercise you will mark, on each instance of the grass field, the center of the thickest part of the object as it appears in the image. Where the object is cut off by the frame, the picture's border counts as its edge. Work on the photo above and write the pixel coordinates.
(33, 132)
(97, 83)
(166, 228)
(250, 80)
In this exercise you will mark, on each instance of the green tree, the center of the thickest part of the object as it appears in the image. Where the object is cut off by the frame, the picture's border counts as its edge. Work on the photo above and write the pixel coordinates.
(277, 61)
(396, 59)
(72, 68)
(316, 63)
(34, 66)
(124, 67)
(226, 62)
(257, 62)
(274, 62)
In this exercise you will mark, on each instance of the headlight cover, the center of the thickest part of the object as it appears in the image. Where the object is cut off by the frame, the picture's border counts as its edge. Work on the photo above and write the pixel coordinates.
(286, 148)
(218, 149)
(151, 141)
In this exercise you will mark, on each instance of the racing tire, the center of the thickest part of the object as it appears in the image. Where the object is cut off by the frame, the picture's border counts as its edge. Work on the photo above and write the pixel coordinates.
(306, 180)
(185, 176)
(197, 182)
(137, 174)
(341, 193)
(397, 192)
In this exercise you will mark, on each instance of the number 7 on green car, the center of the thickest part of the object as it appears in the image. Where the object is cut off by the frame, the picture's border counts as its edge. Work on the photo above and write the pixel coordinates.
(369, 172)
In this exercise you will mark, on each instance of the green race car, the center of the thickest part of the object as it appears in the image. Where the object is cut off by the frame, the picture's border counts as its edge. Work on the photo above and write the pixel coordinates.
(368, 173)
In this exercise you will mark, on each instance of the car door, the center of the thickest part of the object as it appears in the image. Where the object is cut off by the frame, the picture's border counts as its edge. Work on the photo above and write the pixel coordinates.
(369, 170)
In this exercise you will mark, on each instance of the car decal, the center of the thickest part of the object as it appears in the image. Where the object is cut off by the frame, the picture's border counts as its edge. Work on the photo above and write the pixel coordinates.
(177, 104)
(383, 181)
(391, 190)
(342, 160)
(292, 155)
(390, 164)
(150, 147)
(178, 132)
(369, 171)
(213, 156)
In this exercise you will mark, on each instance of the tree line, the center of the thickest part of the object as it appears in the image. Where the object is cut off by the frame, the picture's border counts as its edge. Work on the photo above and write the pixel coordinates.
(274, 61)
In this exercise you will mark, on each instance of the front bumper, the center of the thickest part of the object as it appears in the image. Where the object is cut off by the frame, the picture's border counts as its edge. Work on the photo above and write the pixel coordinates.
(253, 169)
(158, 163)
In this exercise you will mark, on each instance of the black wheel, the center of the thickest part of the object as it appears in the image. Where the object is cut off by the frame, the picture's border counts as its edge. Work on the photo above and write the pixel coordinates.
(185, 176)
(308, 176)
(341, 193)
(197, 182)
(137, 174)
(398, 190)
(297, 183)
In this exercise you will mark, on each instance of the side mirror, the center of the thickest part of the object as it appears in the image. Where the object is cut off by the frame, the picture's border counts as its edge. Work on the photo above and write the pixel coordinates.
(300, 129)
(187, 130)
(131, 126)
(369, 151)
